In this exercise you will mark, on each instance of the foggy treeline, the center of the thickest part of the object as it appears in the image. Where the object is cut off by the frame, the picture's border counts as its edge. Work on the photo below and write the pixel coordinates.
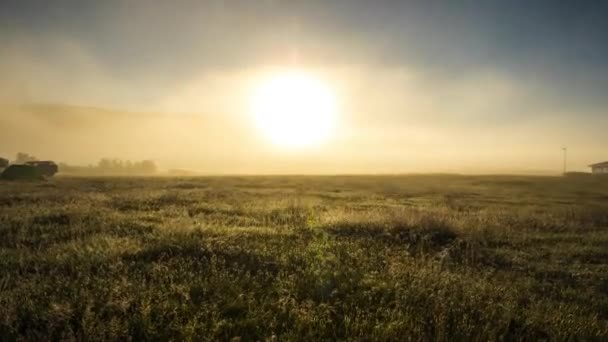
(107, 166)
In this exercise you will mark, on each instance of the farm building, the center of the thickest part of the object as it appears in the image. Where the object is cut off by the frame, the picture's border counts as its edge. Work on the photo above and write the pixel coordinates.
(599, 168)
(20, 172)
(45, 167)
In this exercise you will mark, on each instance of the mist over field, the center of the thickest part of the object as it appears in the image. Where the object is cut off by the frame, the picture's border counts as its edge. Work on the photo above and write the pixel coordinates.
(227, 144)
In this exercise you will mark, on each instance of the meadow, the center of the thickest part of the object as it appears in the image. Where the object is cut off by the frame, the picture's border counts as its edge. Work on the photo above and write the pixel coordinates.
(420, 257)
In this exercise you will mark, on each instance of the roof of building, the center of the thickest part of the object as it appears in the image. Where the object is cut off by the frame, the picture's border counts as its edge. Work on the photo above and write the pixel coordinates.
(599, 164)
(40, 162)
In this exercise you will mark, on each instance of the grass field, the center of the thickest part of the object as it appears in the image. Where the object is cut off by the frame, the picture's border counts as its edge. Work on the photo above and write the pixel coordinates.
(306, 258)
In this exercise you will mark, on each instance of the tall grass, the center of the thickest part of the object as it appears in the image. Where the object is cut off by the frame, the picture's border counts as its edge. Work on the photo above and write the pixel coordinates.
(304, 258)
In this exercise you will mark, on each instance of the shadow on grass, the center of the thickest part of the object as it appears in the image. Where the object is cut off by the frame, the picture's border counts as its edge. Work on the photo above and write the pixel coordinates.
(228, 258)
(425, 236)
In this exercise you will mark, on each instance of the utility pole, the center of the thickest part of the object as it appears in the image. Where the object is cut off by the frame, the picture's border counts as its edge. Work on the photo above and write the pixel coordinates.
(565, 149)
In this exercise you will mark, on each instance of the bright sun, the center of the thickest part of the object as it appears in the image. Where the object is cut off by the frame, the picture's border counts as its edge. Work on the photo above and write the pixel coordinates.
(294, 109)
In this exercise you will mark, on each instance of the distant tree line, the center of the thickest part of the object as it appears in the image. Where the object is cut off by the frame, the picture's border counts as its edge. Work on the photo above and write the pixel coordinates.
(114, 167)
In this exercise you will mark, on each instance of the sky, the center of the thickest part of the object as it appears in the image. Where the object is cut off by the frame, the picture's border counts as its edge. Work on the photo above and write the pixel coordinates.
(422, 86)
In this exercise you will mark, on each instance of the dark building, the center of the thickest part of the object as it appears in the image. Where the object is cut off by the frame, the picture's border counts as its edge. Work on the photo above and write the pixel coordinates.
(45, 167)
(21, 172)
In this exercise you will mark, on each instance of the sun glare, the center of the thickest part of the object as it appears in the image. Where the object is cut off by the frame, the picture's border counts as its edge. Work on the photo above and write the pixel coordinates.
(294, 109)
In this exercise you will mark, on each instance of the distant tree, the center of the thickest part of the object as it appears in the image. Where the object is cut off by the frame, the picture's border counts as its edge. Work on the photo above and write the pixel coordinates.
(4, 162)
(117, 165)
(125, 167)
(23, 158)
(104, 164)
(147, 167)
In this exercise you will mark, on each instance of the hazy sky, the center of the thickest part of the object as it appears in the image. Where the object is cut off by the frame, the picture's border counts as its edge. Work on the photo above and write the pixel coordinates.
(422, 86)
